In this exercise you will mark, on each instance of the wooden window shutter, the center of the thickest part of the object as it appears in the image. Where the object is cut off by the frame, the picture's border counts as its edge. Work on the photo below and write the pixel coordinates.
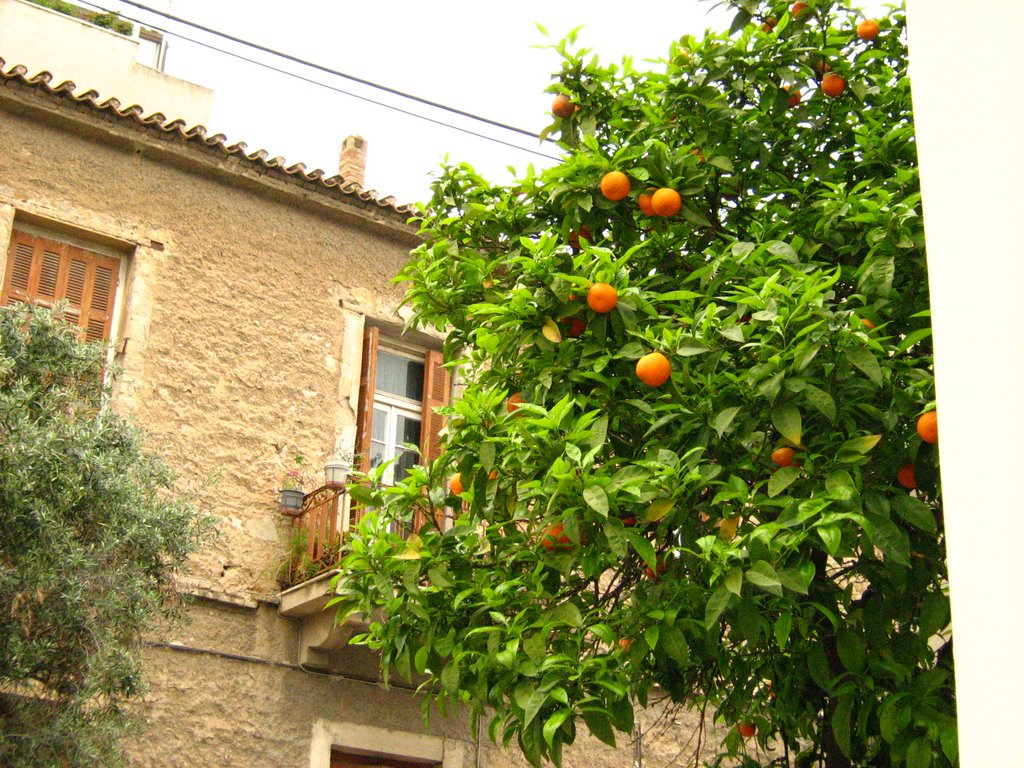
(42, 271)
(437, 384)
(367, 384)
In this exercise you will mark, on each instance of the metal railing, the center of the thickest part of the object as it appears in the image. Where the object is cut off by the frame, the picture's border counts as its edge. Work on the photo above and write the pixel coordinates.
(316, 535)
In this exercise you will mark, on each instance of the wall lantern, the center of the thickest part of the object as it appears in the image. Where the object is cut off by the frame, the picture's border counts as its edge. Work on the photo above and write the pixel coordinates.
(291, 501)
(336, 471)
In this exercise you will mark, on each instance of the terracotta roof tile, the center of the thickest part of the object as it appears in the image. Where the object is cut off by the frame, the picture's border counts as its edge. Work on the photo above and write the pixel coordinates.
(176, 130)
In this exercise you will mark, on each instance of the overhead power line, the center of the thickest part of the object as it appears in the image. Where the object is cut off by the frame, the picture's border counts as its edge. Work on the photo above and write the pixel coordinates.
(330, 71)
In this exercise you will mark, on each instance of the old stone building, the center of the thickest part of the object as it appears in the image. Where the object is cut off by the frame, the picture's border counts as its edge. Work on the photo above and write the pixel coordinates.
(250, 309)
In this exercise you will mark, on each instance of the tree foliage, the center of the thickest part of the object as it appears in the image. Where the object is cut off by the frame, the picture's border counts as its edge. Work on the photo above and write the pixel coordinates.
(90, 536)
(790, 296)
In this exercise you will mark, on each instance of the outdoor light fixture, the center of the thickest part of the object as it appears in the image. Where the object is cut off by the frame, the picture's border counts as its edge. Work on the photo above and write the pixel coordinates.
(336, 471)
(291, 501)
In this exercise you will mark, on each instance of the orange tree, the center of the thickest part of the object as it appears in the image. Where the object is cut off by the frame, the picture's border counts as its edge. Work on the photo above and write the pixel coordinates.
(788, 294)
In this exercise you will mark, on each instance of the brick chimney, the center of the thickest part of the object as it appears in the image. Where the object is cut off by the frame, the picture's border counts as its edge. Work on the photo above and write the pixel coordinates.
(352, 163)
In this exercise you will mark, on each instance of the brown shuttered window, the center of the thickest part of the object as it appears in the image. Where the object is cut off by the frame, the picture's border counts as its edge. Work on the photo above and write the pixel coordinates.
(42, 271)
(397, 397)
(341, 759)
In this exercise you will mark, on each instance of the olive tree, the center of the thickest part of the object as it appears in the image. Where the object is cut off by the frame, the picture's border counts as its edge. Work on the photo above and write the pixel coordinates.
(90, 537)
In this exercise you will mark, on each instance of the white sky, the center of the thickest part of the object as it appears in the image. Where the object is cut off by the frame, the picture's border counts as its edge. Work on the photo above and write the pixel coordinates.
(476, 56)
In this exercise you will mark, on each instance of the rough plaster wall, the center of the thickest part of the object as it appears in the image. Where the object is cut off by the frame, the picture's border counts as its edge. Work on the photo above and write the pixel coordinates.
(209, 710)
(236, 366)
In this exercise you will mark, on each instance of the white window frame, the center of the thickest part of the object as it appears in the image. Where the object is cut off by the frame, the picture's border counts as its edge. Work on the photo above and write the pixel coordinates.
(395, 406)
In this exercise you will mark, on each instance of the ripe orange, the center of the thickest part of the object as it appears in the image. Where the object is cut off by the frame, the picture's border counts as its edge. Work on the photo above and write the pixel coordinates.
(666, 202)
(784, 456)
(577, 326)
(746, 730)
(833, 85)
(562, 106)
(868, 30)
(644, 201)
(655, 574)
(492, 475)
(653, 369)
(455, 483)
(625, 643)
(928, 427)
(602, 298)
(769, 25)
(905, 477)
(555, 538)
(575, 235)
(615, 185)
(797, 9)
(514, 401)
(794, 96)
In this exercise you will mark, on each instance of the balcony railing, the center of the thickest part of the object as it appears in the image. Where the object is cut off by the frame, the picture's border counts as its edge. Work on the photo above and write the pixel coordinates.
(316, 535)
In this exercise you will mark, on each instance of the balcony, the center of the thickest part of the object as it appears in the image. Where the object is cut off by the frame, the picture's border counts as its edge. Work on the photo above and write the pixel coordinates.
(311, 564)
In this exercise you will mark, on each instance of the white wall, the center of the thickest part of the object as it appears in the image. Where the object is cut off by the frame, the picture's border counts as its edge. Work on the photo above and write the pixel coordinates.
(967, 75)
(94, 58)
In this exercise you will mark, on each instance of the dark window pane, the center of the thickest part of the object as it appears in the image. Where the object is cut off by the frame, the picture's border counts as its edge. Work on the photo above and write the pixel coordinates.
(408, 430)
(399, 376)
(406, 460)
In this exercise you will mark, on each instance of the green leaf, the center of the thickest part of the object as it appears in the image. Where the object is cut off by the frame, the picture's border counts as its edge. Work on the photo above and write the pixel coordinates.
(786, 418)
(721, 420)
(914, 511)
(716, 604)
(841, 717)
(783, 626)
(600, 725)
(486, 454)
(439, 578)
(860, 445)
(596, 499)
(893, 542)
(566, 613)
(734, 580)
(536, 646)
(721, 161)
(919, 753)
(832, 536)
(817, 665)
(450, 677)
(657, 510)
(651, 636)
(553, 723)
(762, 574)
(851, 650)
(644, 548)
(821, 401)
(866, 362)
(673, 642)
(618, 544)
(781, 479)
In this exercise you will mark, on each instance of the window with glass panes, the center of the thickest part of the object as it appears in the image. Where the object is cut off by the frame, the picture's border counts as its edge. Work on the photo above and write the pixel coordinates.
(400, 388)
(397, 414)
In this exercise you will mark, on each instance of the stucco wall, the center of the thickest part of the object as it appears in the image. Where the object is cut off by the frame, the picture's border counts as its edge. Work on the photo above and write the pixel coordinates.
(243, 301)
(97, 59)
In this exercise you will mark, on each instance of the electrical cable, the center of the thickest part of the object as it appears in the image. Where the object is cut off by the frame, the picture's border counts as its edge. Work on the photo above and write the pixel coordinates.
(328, 70)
